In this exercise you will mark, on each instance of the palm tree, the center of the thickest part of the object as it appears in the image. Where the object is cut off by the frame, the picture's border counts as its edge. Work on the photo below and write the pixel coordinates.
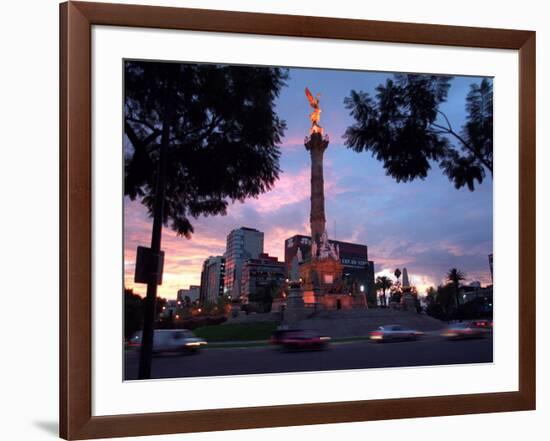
(383, 283)
(455, 276)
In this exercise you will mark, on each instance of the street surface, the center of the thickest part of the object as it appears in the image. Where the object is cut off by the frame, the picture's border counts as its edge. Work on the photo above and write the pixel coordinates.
(430, 350)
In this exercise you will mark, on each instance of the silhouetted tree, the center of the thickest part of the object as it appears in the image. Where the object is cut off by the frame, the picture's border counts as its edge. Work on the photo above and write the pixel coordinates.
(445, 298)
(430, 295)
(223, 135)
(133, 313)
(265, 294)
(396, 292)
(160, 303)
(455, 276)
(187, 302)
(200, 136)
(403, 127)
(382, 284)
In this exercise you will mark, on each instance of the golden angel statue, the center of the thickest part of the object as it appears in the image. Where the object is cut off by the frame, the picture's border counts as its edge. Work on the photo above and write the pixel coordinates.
(316, 114)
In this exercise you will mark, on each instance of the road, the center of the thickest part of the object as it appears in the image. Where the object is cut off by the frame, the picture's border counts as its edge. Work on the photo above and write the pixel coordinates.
(431, 350)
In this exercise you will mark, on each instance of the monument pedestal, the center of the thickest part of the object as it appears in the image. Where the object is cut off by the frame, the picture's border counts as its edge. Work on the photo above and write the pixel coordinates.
(295, 309)
(359, 301)
(325, 275)
(408, 301)
(324, 287)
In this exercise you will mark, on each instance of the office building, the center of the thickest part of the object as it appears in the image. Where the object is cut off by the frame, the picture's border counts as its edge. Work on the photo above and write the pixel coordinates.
(212, 279)
(264, 272)
(242, 244)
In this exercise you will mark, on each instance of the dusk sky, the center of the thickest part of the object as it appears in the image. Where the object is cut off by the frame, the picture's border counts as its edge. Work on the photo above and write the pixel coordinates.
(426, 226)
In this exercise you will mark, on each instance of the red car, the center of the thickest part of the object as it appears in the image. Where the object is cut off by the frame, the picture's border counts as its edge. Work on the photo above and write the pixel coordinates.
(482, 323)
(460, 331)
(299, 339)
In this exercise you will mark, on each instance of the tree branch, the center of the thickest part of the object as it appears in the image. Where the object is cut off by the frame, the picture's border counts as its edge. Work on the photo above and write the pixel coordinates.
(468, 147)
(136, 141)
(207, 132)
(143, 123)
(446, 119)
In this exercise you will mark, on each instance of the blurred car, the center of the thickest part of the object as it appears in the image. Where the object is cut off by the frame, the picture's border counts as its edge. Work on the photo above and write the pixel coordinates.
(171, 340)
(463, 330)
(394, 333)
(278, 336)
(482, 323)
(299, 339)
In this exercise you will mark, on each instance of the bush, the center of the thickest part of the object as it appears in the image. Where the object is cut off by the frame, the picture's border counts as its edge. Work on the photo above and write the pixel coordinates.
(237, 331)
(435, 310)
(475, 309)
(192, 323)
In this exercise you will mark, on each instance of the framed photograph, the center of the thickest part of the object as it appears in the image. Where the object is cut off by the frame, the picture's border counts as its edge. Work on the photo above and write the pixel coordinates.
(272, 220)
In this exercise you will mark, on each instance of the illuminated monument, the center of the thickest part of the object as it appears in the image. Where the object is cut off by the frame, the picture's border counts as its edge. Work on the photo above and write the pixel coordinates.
(322, 274)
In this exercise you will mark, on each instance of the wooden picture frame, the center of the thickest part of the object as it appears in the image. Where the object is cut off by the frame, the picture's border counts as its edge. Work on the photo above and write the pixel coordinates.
(76, 20)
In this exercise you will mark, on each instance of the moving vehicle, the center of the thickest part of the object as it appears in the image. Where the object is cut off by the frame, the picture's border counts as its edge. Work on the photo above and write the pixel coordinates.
(394, 333)
(299, 339)
(171, 340)
(463, 330)
(482, 323)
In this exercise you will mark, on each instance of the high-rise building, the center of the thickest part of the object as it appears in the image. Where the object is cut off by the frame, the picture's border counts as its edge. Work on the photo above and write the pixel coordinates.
(212, 279)
(265, 272)
(354, 257)
(242, 244)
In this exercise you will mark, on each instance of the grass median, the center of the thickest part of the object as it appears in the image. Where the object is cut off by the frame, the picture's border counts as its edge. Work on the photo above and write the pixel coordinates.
(236, 332)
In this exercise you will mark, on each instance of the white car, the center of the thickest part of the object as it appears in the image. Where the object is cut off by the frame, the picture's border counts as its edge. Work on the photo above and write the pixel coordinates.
(394, 333)
(171, 340)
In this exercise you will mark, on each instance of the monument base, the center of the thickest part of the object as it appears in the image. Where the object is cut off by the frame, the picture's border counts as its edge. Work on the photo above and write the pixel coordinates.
(360, 301)
(324, 274)
(324, 288)
(408, 301)
(295, 309)
(278, 305)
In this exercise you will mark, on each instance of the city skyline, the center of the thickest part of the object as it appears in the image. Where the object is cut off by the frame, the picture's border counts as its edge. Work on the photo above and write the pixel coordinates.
(427, 226)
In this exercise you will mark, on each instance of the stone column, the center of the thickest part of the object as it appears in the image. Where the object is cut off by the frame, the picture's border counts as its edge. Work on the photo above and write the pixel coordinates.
(317, 144)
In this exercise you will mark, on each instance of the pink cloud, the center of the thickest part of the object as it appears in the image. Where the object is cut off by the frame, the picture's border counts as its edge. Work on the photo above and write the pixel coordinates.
(459, 250)
(292, 188)
(183, 257)
(289, 189)
(293, 143)
(274, 240)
